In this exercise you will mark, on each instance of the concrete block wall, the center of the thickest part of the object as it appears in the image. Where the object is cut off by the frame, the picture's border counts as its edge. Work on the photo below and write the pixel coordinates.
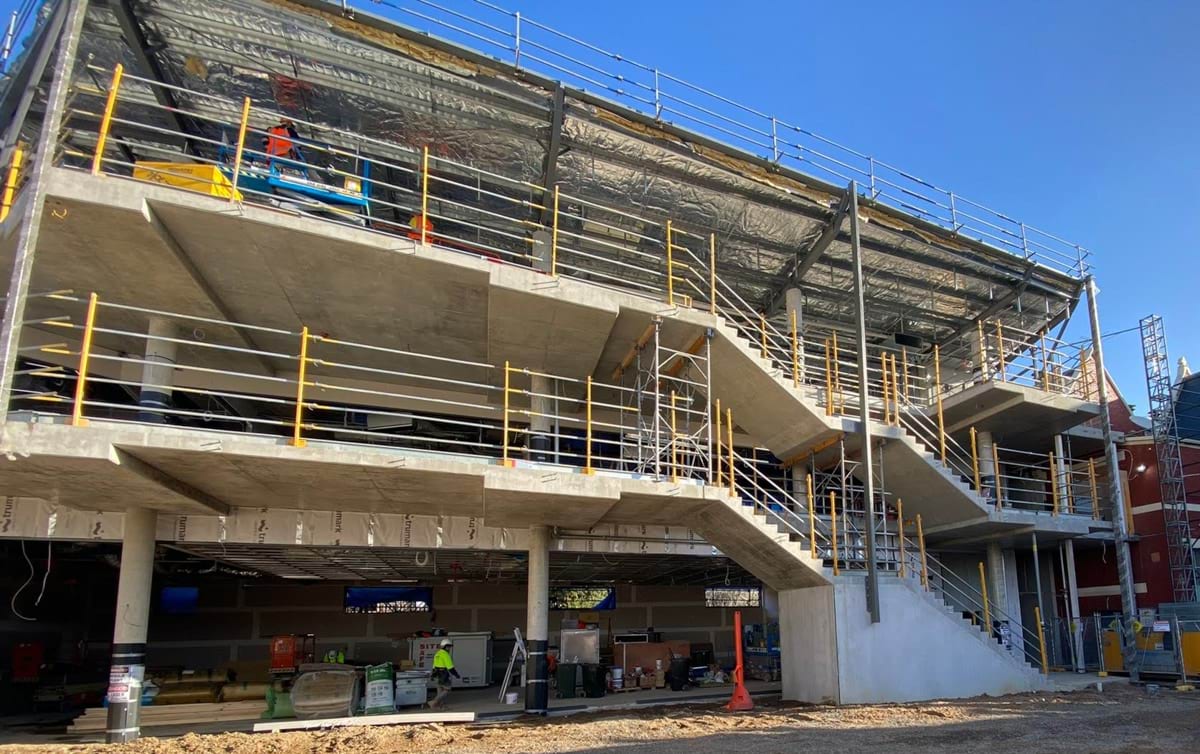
(234, 621)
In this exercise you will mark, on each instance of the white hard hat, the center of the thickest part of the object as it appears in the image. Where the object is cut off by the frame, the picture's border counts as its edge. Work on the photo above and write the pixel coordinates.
(446, 643)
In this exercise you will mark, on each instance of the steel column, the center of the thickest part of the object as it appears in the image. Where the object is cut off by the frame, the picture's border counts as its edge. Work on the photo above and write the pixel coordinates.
(864, 410)
(1115, 493)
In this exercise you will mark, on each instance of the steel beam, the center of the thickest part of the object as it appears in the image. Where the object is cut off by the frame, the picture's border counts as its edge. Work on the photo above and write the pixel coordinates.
(553, 148)
(807, 258)
(135, 40)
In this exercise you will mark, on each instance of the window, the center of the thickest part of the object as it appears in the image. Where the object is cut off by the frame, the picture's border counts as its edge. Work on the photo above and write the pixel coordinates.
(732, 596)
(583, 598)
(388, 599)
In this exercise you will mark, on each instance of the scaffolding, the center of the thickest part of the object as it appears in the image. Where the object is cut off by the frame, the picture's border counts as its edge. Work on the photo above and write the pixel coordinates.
(1170, 464)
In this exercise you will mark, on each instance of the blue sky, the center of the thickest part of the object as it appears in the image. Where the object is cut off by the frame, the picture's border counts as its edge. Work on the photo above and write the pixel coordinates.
(1080, 118)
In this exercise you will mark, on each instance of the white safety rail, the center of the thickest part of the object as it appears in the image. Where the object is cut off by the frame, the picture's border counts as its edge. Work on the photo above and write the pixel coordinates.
(312, 388)
(1003, 353)
(1044, 483)
(530, 45)
(455, 206)
(975, 599)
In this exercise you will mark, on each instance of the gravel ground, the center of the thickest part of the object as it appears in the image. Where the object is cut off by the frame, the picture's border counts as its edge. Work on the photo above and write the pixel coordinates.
(1120, 719)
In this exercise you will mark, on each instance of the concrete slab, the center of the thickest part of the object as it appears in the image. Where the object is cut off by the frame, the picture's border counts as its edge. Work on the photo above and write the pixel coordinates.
(1018, 416)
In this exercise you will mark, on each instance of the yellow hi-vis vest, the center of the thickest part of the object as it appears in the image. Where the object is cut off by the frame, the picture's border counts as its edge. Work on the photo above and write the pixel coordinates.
(442, 660)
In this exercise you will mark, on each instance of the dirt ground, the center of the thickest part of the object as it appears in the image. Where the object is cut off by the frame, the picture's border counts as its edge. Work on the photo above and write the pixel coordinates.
(1119, 719)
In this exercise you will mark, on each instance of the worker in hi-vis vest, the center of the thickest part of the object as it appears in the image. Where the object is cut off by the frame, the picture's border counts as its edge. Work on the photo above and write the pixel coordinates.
(443, 668)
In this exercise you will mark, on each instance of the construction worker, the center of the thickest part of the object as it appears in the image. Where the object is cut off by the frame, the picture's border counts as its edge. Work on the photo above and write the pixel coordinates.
(443, 669)
(414, 227)
(281, 140)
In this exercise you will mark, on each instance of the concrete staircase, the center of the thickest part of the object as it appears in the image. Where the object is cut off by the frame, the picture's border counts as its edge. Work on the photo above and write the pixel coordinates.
(1016, 657)
(755, 537)
(788, 419)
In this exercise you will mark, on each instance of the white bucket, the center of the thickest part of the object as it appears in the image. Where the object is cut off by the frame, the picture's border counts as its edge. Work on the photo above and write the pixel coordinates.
(510, 697)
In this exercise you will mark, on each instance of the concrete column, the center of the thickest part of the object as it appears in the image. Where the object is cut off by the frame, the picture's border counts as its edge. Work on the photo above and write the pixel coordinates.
(799, 489)
(537, 683)
(132, 623)
(1073, 599)
(158, 373)
(997, 583)
(1012, 606)
(987, 467)
(541, 443)
(793, 299)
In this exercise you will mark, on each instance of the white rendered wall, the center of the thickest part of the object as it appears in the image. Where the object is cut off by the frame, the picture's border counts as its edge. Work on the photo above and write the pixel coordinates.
(833, 653)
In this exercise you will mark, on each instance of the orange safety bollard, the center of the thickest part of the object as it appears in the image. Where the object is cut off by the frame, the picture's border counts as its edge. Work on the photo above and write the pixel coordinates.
(740, 701)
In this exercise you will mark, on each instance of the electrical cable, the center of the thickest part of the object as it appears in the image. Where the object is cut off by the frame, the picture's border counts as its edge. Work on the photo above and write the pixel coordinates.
(13, 603)
(46, 576)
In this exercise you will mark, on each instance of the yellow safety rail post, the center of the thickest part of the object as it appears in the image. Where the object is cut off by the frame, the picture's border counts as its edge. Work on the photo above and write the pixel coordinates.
(10, 181)
(921, 545)
(85, 354)
(1037, 617)
(507, 390)
(833, 544)
(937, 390)
(904, 358)
(900, 531)
(883, 381)
(828, 381)
(106, 120)
(762, 334)
(1000, 351)
(987, 611)
(674, 444)
(587, 469)
(1053, 474)
(996, 475)
(795, 353)
(983, 359)
(712, 273)
(895, 391)
(1083, 375)
(425, 194)
(812, 518)
(837, 377)
(975, 462)
(670, 268)
(1092, 484)
(301, 381)
(717, 450)
(554, 236)
(241, 146)
(1068, 484)
(729, 439)
(1045, 365)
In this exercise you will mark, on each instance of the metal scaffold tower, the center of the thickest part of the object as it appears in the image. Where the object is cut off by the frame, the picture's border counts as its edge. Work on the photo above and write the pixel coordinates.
(1170, 464)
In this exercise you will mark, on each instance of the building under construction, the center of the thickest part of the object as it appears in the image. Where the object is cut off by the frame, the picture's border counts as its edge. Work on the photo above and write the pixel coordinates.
(305, 301)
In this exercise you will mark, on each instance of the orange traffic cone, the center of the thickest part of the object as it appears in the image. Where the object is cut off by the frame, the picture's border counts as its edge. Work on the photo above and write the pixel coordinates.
(740, 701)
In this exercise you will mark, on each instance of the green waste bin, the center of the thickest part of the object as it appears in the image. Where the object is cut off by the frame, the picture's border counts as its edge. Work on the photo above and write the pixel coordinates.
(593, 681)
(567, 672)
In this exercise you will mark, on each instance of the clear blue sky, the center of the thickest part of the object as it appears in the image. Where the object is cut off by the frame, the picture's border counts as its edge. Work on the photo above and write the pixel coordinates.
(1081, 118)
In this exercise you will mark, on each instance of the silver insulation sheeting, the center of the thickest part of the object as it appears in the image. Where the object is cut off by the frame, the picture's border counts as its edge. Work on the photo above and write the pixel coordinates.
(324, 68)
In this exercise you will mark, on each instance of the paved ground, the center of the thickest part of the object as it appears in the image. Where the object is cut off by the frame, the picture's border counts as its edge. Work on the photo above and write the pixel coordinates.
(1119, 719)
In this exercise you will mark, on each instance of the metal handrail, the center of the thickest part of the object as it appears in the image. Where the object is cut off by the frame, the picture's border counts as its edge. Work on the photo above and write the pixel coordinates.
(656, 93)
